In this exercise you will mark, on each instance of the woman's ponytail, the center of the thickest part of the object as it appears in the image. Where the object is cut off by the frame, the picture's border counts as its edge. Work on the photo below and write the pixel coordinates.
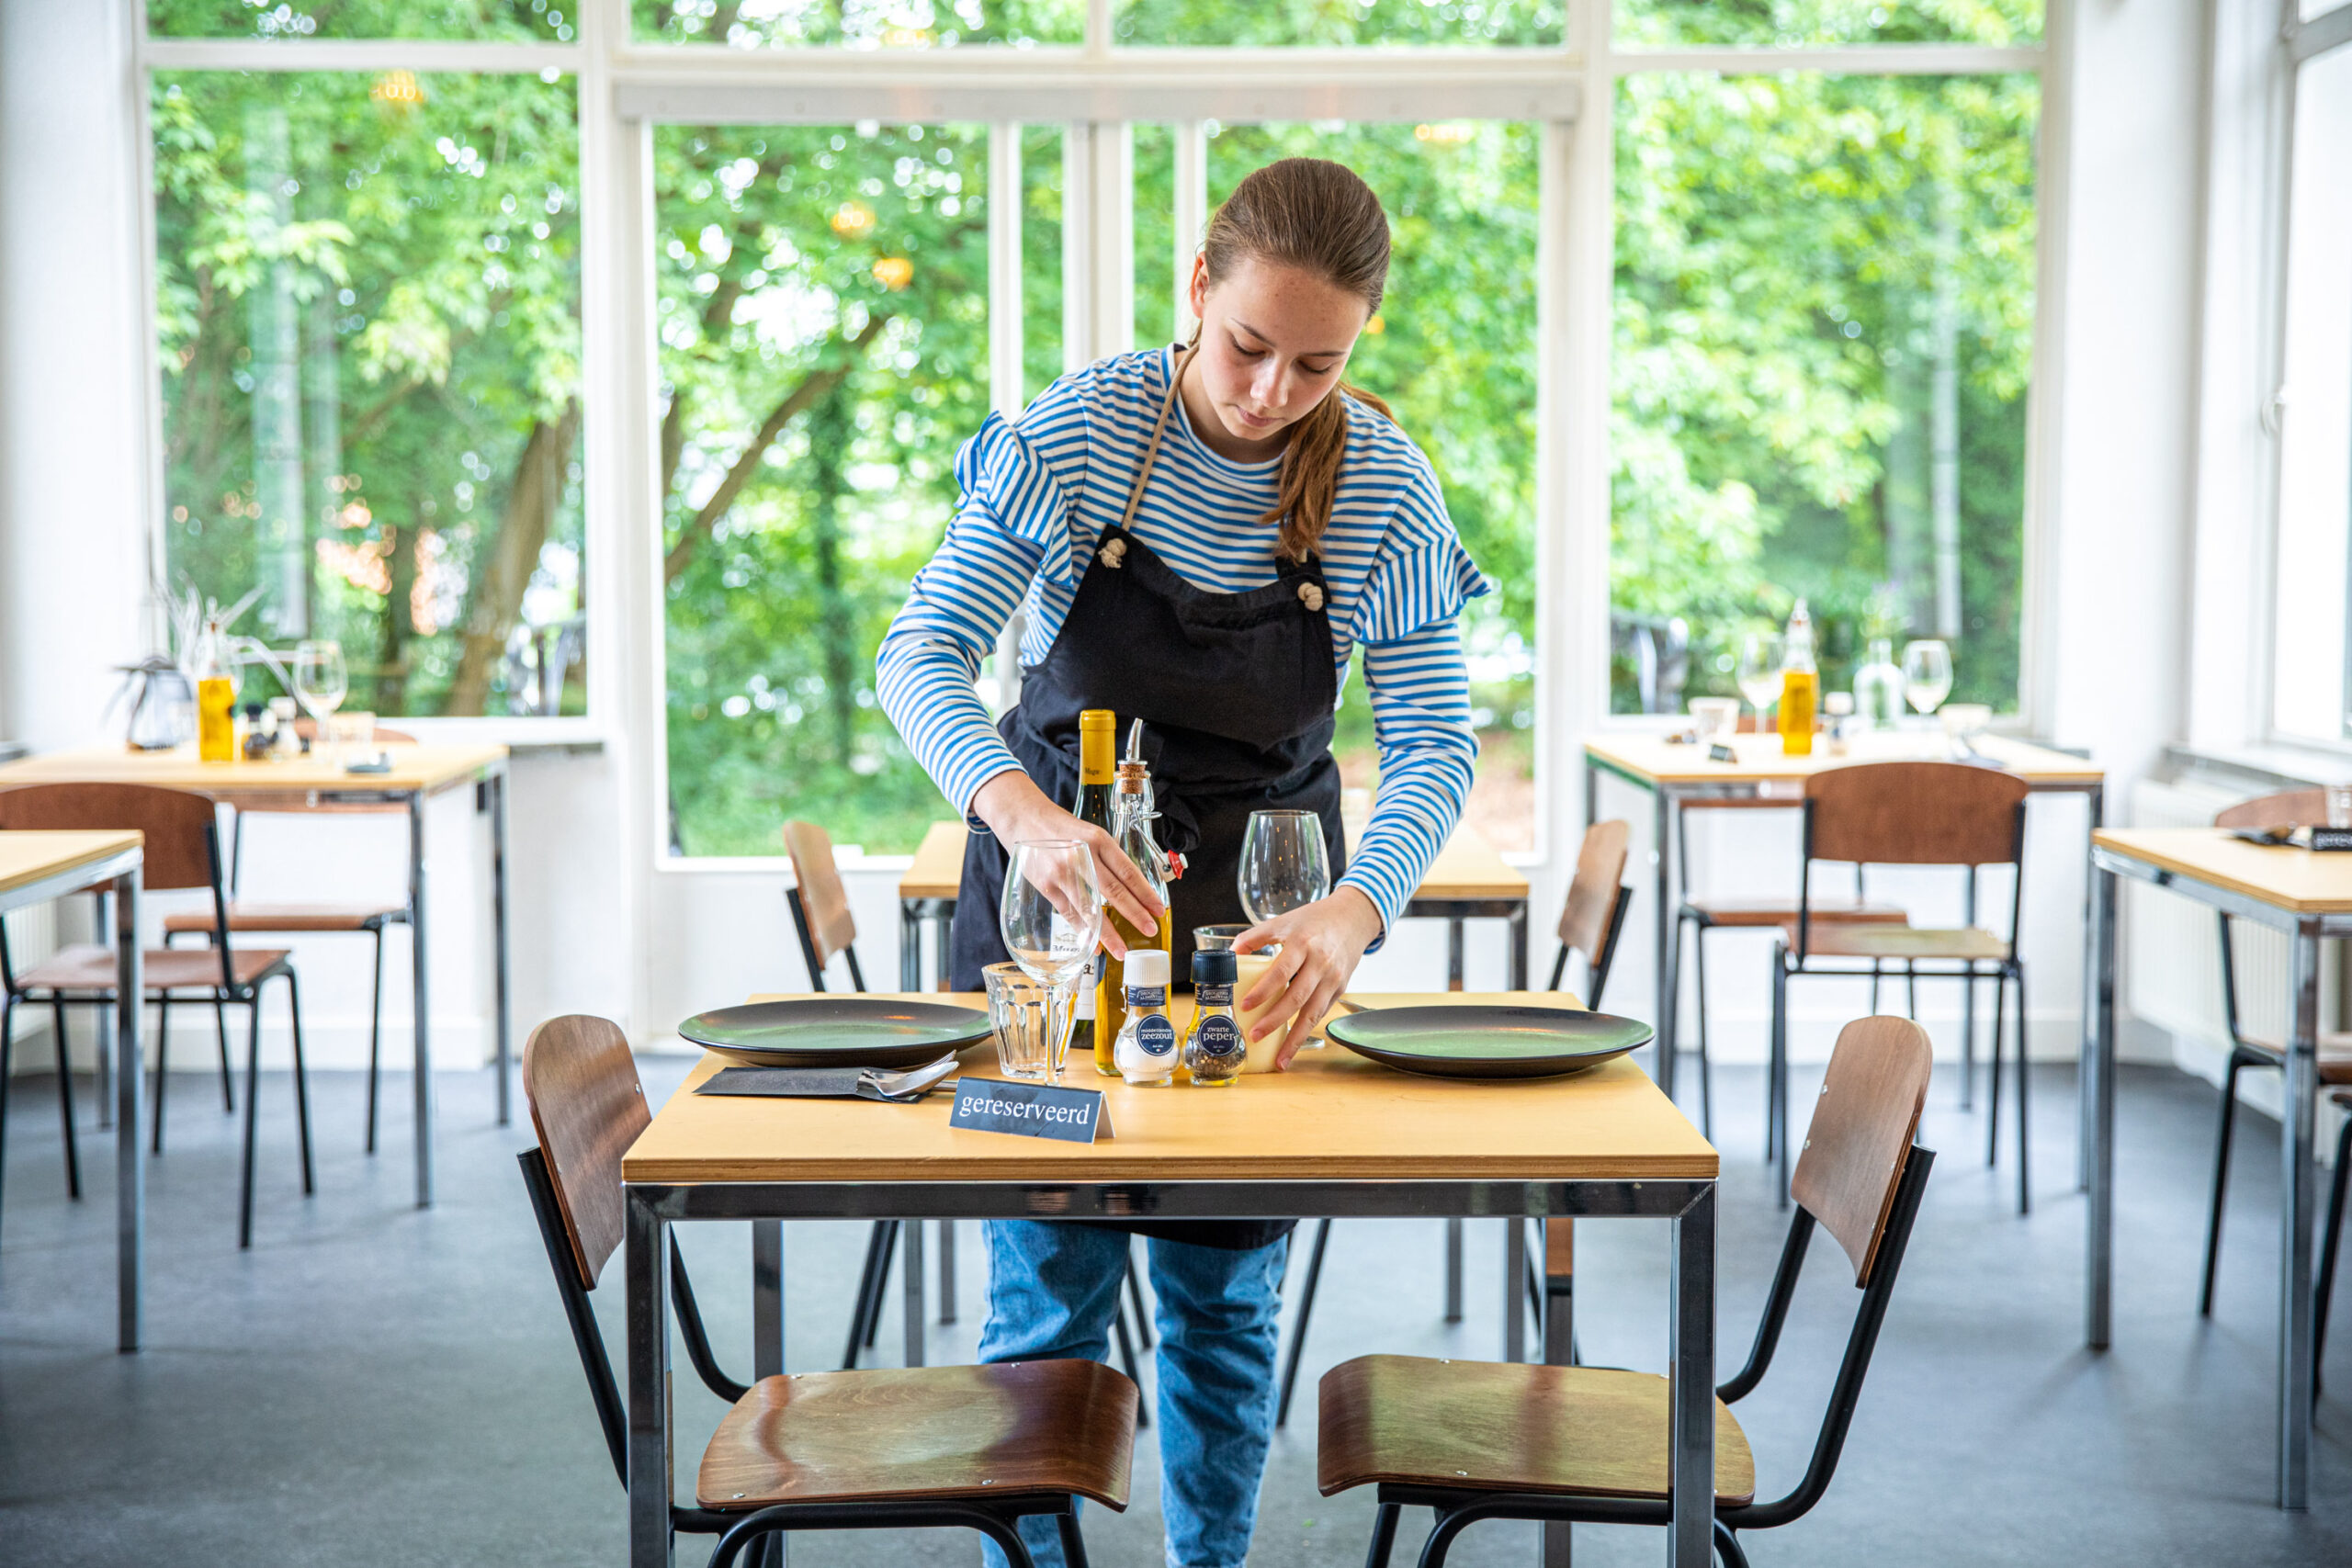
(1317, 216)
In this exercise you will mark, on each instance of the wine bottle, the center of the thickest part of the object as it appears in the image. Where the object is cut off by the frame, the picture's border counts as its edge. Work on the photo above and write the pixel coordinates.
(1097, 739)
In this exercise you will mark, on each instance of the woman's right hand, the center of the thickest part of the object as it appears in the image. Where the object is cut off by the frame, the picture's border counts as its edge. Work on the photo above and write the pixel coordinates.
(1015, 808)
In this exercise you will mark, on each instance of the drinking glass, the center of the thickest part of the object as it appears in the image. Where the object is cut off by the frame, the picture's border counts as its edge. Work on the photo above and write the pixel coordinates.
(1283, 866)
(1926, 674)
(1218, 937)
(1020, 1011)
(321, 682)
(1759, 672)
(1051, 917)
(1715, 718)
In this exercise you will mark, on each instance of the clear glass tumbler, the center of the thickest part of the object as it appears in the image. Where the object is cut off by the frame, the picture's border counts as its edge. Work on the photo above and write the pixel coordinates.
(1022, 1012)
(1217, 939)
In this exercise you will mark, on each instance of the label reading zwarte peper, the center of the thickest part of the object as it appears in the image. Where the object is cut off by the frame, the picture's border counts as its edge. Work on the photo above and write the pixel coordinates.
(1029, 1110)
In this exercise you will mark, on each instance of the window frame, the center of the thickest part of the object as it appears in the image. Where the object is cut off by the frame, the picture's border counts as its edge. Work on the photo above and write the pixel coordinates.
(2300, 42)
(1097, 90)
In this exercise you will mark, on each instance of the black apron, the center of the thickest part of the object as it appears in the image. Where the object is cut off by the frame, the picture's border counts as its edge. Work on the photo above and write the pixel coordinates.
(1238, 692)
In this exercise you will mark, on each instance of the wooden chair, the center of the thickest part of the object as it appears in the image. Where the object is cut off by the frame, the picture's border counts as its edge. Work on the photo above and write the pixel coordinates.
(975, 1448)
(2290, 808)
(253, 918)
(1482, 1441)
(182, 851)
(1592, 917)
(820, 904)
(1704, 913)
(1950, 813)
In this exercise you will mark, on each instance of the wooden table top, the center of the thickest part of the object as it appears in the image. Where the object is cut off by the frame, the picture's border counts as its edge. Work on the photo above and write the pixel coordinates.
(1466, 868)
(28, 858)
(426, 767)
(2296, 880)
(1653, 759)
(1333, 1116)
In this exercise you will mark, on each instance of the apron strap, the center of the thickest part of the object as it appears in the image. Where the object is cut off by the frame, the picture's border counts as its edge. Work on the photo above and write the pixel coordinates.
(1151, 449)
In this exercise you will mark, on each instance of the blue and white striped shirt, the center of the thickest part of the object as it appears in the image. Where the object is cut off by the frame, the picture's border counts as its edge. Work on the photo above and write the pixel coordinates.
(1037, 497)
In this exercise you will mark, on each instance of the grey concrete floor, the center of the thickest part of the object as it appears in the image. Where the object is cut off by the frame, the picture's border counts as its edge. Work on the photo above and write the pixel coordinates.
(373, 1384)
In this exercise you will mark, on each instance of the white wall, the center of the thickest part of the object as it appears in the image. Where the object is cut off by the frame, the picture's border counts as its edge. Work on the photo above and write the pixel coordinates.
(596, 929)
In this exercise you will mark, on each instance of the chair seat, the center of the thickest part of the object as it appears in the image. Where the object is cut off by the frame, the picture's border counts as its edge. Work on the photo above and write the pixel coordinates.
(1503, 1427)
(1839, 940)
(1062, 1426)
(1770, 911)
(89, 967)
(2334, 1062)
(289, 918)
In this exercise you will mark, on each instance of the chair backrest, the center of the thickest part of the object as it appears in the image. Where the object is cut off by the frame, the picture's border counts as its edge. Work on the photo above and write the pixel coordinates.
(308, 728)
(182, 847)
(1914, 814)
(2288, 809)
(585, 1102)
(824, 902)
(1862, 1178)
(1864, 1120)
(1592, 893)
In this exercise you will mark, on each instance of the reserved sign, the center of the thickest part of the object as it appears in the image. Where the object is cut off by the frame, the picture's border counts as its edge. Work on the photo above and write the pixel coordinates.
(1029, 1110)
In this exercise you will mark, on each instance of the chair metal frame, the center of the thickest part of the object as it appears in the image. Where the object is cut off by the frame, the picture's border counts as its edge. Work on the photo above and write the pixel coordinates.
(1458, 1508)
(227, 990)
(997, 1520)
(2010, 969)
(1595, 981)
(1689, 914)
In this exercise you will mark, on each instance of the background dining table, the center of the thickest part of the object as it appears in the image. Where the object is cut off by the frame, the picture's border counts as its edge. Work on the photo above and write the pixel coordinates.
(314, 783)
(1671, 773)
(2307, 896)
(1335, 1135)
(1468, 880)
(35, 868)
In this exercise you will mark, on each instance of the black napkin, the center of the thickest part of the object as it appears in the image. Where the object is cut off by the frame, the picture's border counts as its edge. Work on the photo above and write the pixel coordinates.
(821, 1083)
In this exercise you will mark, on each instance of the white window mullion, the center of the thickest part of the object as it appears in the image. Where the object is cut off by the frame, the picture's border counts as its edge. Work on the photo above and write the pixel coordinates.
(1098, 242)
(1192, 216)
(1006, 391)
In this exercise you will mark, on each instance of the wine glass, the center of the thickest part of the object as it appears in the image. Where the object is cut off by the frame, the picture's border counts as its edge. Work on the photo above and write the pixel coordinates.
(1051, 917)
(321, 681)
(1283, 866)
(1926, 674)
(1759, 672)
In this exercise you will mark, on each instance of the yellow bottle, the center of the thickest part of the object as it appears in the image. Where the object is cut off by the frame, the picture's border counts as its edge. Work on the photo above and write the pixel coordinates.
(216, 698)
(1800, 685)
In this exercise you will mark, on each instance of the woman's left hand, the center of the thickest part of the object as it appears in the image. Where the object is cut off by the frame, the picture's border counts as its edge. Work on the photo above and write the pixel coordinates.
(1322, 943)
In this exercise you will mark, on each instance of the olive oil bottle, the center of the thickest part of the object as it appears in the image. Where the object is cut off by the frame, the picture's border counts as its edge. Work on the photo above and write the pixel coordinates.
(1800, 685)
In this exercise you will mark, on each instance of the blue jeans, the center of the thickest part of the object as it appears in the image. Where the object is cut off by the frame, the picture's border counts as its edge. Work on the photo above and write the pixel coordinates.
(1051, 1291)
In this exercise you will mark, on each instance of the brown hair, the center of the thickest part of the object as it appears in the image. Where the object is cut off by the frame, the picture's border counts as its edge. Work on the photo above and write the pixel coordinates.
(1317, 216)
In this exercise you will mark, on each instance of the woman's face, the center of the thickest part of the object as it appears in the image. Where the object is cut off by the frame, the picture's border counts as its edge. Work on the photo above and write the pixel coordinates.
(1273, 342)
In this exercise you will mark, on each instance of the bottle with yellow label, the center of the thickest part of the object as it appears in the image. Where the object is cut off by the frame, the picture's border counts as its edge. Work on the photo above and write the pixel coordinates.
(216, 696)
(1800, 685)
(1097, 740)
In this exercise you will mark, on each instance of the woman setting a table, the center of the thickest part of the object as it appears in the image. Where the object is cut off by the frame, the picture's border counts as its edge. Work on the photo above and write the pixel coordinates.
(1199, 536)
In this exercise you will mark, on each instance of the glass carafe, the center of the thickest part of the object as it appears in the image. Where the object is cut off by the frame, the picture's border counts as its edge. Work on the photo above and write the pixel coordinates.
(1878, 687)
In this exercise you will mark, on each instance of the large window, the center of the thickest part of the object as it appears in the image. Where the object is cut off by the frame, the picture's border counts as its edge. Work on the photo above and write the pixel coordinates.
(368, 313)
(1824, 320)
(376, 384)
(2314, 549)
(824, 321)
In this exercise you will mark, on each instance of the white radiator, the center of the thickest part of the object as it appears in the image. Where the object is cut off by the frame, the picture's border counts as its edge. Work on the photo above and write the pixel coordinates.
(2171, 945)
(32, 936)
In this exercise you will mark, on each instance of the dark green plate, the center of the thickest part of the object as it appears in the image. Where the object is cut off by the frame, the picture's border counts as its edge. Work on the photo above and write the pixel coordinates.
(1484, 1042)
(837, 1031)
